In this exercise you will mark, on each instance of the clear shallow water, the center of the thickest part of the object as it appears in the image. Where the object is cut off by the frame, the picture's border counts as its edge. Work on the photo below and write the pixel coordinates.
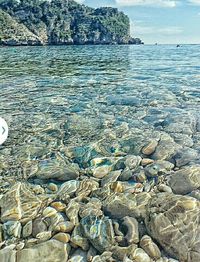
(56, 98)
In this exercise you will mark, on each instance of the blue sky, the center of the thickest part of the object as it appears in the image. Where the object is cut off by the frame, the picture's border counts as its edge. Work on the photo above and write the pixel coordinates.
(162, 21)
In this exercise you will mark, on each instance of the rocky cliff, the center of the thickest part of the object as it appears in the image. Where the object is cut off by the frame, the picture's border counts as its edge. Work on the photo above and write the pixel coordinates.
(34, 22)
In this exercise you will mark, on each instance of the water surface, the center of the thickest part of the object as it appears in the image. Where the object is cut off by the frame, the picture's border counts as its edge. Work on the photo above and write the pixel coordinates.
(59, 97)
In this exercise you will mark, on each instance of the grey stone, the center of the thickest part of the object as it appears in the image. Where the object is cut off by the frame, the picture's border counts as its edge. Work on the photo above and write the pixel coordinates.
(7, 255)
(99, 231)
(185, 180)
(173, 221)
(50, 251)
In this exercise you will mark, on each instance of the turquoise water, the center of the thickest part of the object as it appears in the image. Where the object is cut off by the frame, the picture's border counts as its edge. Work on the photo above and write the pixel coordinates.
(60, 98)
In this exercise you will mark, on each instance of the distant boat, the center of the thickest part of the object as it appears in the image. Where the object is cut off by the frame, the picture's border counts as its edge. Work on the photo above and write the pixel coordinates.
(178, 46)
(156, 43)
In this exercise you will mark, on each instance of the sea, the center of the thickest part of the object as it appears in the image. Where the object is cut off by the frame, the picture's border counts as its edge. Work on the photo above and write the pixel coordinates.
(55, 98)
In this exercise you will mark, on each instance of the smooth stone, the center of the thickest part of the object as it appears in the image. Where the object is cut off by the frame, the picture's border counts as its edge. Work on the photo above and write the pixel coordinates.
(12, 228)
(150, 247)
(185, 156)
(132, 162)
(164, 188)
(53, 187)
(68, 188)
(59, 206)
(126, 174)
(72, 211)
(86, 187)
(48, 251)
(132, 236)
(159, 167)
(166, 148)
(99, 231)
(112, 177)
(19, 203)
(78, 256)
(65, 227)
(173, 221)
(78, 239)
(38, 226)
(8, 255)
(139, 255)
(62, 237)
(27, 229)
(120, 205)
(185, 180)
(57, 169)
(93, 207)
(150, 148)
(147, 161)
(102, 171)
(20, 246)
(121, 252)
(44, 236)
(49, 212)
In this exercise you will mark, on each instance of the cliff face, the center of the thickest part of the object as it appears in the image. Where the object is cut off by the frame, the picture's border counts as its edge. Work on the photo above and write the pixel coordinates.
(61, 22)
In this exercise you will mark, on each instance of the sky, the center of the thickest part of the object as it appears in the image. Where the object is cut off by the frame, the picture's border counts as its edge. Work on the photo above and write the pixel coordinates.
(159, 21)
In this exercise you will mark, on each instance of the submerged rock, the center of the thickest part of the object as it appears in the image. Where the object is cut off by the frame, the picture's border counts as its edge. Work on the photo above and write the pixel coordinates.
(120, 205)
(185, 180)
(99, 231)
(8, 255)
(57, 169)
(48, 251)
(19, 203)
(173, 221)
(150, 247)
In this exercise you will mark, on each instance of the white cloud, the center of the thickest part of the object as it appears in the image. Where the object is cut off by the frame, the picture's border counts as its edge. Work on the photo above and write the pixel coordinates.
(155, 3)
(138, 28)
(195, 2)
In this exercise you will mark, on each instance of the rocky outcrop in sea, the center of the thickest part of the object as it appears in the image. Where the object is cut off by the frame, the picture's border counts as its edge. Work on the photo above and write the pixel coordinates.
(61, 22)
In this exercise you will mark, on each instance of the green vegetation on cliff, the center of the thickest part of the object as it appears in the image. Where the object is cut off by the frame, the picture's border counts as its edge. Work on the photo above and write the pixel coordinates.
(62, 22)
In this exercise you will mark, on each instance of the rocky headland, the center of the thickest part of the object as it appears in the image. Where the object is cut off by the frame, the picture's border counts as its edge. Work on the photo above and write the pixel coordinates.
(59, 22)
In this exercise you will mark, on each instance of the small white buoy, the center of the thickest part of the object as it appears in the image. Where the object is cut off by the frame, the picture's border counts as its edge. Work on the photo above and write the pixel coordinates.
(3, 131)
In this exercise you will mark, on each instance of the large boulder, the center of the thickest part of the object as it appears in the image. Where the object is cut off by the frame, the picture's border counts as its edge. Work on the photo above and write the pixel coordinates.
(185, 180)
(7, 255)
(50, 251)
(174, 222)
(19, 203)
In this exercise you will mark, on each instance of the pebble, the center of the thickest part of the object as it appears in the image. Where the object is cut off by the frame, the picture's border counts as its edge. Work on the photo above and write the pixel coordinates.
(101, 171)
(65, 227)
(62, 237)
(49, 212)
(59, 206)
(150, 247)
(53, 187)
(164, 188)
(27, 229)
(38, 226)
(147, 161)
(150, 148)
(44, 236)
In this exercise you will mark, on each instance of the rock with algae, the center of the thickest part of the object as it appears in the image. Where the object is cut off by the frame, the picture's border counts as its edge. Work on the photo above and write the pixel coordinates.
(99, 231)
(19, 203)
(174, 221)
